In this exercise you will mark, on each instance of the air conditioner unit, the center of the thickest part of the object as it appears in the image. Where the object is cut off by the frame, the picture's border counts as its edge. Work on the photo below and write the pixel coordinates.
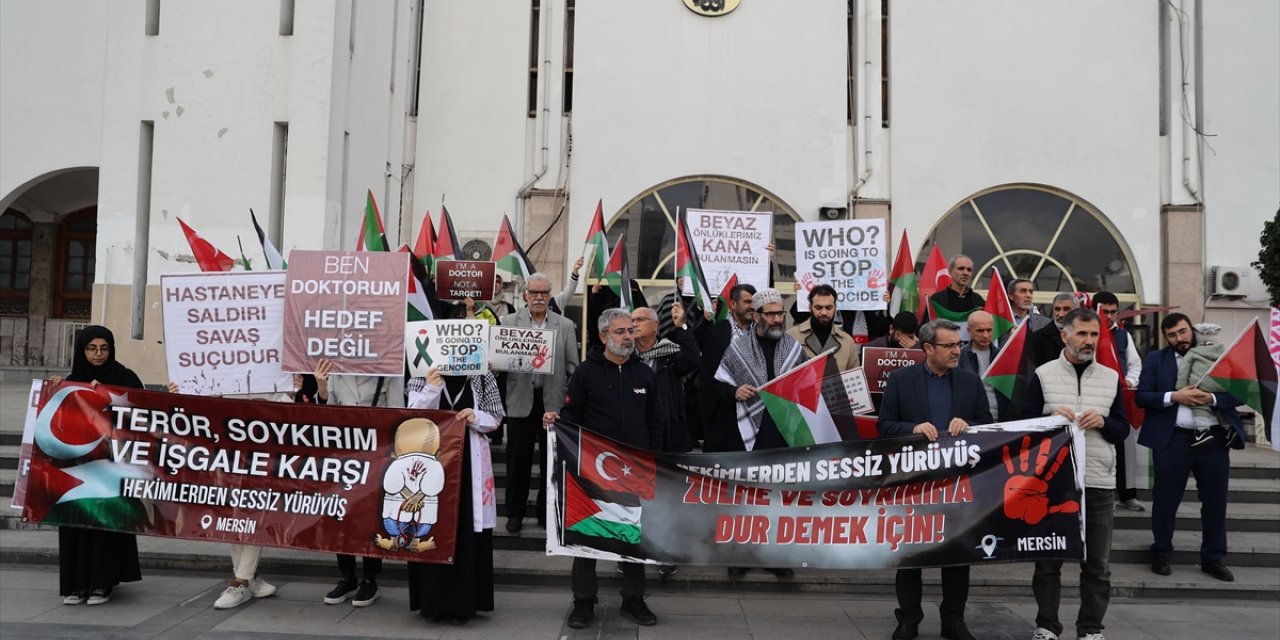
(476, 249)
(1236, 282)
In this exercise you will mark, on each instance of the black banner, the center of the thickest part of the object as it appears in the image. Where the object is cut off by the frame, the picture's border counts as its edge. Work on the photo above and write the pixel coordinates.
(1000, 493)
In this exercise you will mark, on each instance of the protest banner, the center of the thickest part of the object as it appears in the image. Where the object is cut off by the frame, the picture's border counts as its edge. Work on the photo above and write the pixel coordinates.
(849, 255)
(462, 279)
(1011, 494)
(731, 242)
(349, 307)
(453, 347)
(224, 332)
(24, 452)
(522, 350)
(354, 480)
(879, 362)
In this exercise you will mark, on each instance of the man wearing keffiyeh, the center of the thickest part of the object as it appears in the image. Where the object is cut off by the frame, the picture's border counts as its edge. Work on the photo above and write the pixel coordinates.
(753, 359)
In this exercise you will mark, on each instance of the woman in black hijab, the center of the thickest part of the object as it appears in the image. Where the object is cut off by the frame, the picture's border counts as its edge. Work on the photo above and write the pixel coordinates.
(92, 562)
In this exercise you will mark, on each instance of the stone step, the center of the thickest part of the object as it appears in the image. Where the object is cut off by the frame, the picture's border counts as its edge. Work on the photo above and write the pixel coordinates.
(526, 568)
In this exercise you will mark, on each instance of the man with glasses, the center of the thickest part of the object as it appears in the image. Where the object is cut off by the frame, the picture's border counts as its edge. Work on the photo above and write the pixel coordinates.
(614, 394)
(531, 395)
(928, 399)
(754, 358)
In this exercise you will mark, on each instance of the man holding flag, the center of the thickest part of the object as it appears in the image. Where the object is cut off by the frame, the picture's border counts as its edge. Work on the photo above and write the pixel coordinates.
(928, 399)
(958, 300)
(1168, 431)
(615, 394)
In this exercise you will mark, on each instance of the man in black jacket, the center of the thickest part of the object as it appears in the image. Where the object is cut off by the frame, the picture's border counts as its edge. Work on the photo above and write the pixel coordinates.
(719, 422)
(929, 399)
(671, 358)
(614, 394)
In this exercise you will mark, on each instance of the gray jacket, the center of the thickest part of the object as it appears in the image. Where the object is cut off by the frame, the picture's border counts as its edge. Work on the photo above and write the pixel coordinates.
(520, 386)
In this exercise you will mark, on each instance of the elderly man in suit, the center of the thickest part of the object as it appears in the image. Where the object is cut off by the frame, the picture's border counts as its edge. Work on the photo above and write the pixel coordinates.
(530, 395)
(1168, 431)
(929, 399)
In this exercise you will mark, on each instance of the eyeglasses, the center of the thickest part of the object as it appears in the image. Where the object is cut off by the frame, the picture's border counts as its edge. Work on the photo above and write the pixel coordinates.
(97, 349)
(538, 294)
(946, 345)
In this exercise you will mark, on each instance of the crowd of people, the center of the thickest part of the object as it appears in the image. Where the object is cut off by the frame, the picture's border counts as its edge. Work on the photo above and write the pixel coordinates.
(670, 378)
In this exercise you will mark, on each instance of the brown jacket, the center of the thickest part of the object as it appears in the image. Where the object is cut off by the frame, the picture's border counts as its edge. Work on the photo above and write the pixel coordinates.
(846, 355)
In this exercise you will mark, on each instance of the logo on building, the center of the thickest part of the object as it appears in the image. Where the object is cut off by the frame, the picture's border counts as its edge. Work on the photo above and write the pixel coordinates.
(711, 8)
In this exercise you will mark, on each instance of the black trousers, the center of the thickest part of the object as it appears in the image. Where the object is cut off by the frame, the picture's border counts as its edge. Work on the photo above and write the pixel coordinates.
(524, 435)
(955, 592)
(347, 566)
(1123, 491)
(585, 586)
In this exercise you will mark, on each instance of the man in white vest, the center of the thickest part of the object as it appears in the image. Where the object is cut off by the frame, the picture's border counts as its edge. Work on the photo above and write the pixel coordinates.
(1076, 387)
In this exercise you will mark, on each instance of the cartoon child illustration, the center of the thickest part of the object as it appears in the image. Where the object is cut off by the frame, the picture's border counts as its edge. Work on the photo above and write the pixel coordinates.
(411, 486)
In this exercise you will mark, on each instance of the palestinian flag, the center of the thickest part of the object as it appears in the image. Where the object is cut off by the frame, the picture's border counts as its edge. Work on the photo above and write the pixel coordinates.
(446, 247)
(722, 311)
(618, 275)
(598, 517)
(689, 267)
(936, 310)
(1247, 372)
(425, 246)
(509, 255)
(372, 236)
(797, 405)
(1109, 357)
(419, 307)
(274, 259)
(998, 306)
(207, 256)
(905, 293)
(933, 278)
(1011, 370)
(597, 243)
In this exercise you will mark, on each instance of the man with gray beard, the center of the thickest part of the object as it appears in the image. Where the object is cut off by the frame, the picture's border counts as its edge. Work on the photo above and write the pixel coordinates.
(754, 358)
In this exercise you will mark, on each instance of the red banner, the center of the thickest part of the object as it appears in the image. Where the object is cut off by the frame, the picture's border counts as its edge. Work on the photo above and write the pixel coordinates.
(356, 480)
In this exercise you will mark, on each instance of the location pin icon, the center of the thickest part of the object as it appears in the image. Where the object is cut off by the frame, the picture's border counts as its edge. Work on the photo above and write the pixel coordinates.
(206, 520)
(988, 544)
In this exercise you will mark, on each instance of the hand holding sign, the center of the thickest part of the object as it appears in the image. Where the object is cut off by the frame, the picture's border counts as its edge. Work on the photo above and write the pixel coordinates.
(1026, 497)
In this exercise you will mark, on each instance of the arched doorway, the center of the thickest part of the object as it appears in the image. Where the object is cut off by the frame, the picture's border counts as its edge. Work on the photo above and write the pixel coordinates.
(1058, 240)
(649, 220)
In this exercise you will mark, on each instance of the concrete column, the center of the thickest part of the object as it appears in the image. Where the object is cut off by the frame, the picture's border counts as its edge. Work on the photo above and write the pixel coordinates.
(44, 255)
(1181, 244)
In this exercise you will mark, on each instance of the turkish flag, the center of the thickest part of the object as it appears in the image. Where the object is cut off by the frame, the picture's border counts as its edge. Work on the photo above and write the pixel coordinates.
(613, 468)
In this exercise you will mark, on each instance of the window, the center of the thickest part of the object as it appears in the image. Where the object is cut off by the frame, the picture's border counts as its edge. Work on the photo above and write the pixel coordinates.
(1059, 241)
(535, 21)
(77, 243)
(649, 221)
(570, 9)
(15, 263)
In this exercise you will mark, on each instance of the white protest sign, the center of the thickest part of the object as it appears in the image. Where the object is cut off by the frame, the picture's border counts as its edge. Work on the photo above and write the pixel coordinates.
(849, 255)
(453, 347)
(854, 384)
(224, 332)
(729, 242)
(522, 350)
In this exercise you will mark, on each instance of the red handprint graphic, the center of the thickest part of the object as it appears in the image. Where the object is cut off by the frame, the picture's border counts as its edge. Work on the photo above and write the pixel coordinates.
(1026, 497)
(873, 279)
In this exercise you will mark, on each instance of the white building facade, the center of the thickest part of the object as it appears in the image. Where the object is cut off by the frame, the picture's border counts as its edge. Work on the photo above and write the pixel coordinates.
(1130, 146)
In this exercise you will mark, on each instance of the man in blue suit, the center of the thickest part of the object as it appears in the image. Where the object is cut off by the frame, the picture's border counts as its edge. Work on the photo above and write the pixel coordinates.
(1168, 431)
(929, 398)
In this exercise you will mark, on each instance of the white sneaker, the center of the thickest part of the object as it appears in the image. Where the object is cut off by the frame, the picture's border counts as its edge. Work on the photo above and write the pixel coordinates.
(1092, 636)
(75, 598)
(261, 588)
(99, 596)
(233, 596)
(1044, 634)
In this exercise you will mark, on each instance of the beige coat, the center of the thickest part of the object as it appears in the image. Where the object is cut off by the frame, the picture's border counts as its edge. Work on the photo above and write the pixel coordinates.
(846, 354)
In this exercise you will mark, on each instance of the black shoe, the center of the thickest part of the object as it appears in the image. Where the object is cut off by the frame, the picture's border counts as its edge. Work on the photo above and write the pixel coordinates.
(584, 611)
(667, 570)
(345, 589)
(514, 524)
(1217, 570)
(638, 612)
(1202, 437)
(738, 572)
(366, 594)
(1160, 567)
(956, 631)
(906, 631)
(1231, 438)
(782, 573)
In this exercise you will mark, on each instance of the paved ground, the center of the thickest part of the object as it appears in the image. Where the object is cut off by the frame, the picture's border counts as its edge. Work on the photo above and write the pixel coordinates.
(179, 606)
